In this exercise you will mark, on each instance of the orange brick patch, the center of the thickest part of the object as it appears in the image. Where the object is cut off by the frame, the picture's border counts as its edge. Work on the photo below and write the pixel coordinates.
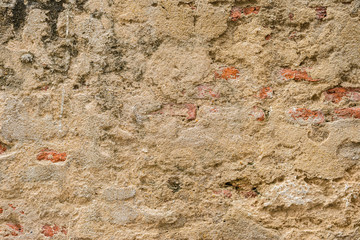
(17, 229)
(297, 75)
(337, 94)
(306, 116)
(227, 73)
(50, 231)
(51, 155)
(237, 12)
(258, 114)
(266, 92)
(347, 113)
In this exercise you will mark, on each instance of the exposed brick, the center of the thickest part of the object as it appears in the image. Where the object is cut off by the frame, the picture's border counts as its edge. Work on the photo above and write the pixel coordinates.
(191, 113)
(292, 35)
(237, 12)
(18, 229)
(227, 73)
(50, 231)
(2, 148)
(182, 110)
(257, 113)
(249, 194)
(347, 113)
(321, 12)
(337, 94)
(206, 92)
(225, 193)
(266, 92)
(305, 116)
(12, 206)
(47, 231)
(297, 75)
(268, 37)
(291, 16)
(51, 155)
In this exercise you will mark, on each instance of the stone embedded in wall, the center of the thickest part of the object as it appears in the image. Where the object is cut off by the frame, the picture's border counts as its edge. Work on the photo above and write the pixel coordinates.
(349, 150)
(118, 194)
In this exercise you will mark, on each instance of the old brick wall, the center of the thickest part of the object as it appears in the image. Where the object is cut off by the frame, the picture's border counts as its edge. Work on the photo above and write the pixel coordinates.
(179, 119)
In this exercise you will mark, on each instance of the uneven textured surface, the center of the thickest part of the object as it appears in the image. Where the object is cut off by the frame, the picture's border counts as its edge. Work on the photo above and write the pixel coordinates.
(179, 119)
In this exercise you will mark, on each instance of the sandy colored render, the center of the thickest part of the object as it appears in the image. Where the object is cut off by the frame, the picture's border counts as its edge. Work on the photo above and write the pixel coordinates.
(180, 119)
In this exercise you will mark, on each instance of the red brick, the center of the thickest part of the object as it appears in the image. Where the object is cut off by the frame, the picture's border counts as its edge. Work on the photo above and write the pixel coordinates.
(225, 193)
(297, 75)
(291, 16)
(249, 194)
(2, 148)
(12, 206)
(337, 94)
(321, 12)
(191, 113)
(266, 92)
(18, 229)
(1, 210)
(227, 73)
(347, 113)
(268, 37)
(258, 114)
(51, 155)
(206, 92)
(305, 116)
(181, 110)
(50, 231)
(237, 12)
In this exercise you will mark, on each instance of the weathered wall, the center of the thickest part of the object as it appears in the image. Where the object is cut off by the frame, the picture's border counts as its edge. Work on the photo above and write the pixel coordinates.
(179, 119)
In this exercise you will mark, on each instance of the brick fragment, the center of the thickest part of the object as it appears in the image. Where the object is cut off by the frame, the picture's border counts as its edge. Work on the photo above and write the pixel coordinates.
(345, 113)
(50, 231)
(182, 110)
(305, 116)
(206, 92)
(225, 193)
(237, 12)
(18, 229)
(297, 75)
(227, 73)
(2, 148)
(249, 194)
(51, 155)
(291, 16)
(337, 94)
(266, 92)
(321, 12)
(257, 113)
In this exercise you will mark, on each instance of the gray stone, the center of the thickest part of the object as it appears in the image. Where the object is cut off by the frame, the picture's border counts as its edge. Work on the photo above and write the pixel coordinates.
(118, 194)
